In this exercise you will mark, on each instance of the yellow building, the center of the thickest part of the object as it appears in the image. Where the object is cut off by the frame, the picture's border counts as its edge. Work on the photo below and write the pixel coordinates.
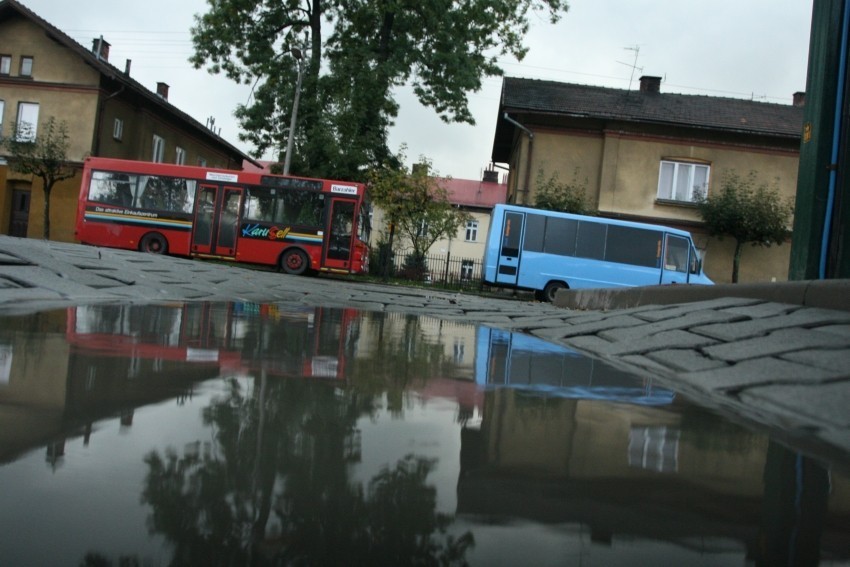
(45, 74)
(646, 155)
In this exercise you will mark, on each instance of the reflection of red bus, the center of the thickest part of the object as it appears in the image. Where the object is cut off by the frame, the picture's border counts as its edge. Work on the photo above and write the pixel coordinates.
(299, 224)
(237, 337)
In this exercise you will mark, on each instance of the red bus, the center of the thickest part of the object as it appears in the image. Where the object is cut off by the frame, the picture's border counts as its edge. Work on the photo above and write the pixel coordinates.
(302, 225)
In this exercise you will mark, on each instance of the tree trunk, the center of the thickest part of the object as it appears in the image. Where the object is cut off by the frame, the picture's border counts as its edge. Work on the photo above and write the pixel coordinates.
(47, 188)
(736, 260)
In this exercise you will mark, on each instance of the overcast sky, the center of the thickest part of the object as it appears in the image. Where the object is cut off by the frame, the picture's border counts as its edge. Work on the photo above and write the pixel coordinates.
(731, 48)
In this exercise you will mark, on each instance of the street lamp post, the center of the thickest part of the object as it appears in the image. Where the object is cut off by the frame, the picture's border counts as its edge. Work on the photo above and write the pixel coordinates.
(299, 56)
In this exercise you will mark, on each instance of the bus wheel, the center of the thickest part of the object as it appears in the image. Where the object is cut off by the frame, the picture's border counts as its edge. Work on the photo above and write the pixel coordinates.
(551, 290)
(154, 243)
(294, 262)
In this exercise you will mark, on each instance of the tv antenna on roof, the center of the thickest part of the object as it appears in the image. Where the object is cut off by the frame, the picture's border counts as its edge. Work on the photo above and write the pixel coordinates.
(633, 65)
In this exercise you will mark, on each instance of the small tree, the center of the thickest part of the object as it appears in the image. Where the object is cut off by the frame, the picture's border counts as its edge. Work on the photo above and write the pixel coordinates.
(417, 206)
(43, 155)
(748, 210)
(554, 195)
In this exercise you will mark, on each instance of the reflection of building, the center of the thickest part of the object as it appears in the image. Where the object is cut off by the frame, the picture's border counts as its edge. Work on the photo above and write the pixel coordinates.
(559, 441)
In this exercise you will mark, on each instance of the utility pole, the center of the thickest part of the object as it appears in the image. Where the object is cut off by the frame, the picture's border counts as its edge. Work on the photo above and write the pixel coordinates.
(298, 54)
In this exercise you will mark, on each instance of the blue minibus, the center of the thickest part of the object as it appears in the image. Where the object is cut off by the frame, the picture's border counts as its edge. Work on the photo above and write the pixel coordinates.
(544, 251)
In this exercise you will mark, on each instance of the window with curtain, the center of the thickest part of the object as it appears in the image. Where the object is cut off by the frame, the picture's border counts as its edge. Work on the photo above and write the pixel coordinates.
(681, 181)
(27, 125)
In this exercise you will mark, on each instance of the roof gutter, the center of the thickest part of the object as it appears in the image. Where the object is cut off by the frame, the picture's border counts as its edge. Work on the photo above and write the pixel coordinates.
(530, 135)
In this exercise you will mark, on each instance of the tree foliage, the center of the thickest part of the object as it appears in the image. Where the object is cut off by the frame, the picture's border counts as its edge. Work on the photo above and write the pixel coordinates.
(416, 205)
(442, 49)
(555, 195)
(748, 210)
(42, 153)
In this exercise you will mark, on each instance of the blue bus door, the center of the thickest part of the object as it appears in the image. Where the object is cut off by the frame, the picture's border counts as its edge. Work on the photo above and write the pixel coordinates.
(674, 269)
(507, 269)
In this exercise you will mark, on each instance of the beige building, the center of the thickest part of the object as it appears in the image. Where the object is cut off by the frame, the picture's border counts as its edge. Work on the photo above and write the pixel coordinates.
(646, 155)
(464, 249)
(45, 74)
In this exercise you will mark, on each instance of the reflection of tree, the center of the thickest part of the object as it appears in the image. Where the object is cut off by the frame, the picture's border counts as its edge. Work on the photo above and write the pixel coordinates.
(273, 487)
(401, 358)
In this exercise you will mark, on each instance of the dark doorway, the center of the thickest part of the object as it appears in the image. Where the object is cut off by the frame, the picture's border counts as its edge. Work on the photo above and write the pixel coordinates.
(19, 218)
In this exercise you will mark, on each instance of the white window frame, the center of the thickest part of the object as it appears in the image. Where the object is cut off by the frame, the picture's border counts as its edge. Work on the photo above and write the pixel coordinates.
(5, 64)
(27, 64)
(472, 231)
(158, 149)
(467, 268)
(118, 129)
(27, 114)
(2, 111)
(179, 156)
(679, 181)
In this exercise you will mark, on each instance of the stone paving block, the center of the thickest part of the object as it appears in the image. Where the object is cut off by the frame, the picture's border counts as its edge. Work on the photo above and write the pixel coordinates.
(807, 317)
(825, 404)
(776, 343)
(759, 371)
(592, 327)
(686, 308)
(837, 360)
(665, 339)
(587, 343)
(761, 310)
(841, 330)
(684, 321)
(645, 363)
(685, 360)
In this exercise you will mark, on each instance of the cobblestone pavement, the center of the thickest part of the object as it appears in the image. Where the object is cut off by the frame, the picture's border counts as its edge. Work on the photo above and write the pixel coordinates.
(775, 365)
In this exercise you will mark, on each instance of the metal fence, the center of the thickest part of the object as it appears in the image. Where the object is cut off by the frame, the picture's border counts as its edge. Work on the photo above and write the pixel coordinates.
(442, 270)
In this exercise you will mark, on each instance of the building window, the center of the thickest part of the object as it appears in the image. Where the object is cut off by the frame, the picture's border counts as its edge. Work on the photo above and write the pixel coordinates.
(5, 64)
(179, 155)
(680, 181)
(2, 110)
(27, 124)
(472, 231)
(202, 161)
(26, 66)
(158, 149)
(118, 129)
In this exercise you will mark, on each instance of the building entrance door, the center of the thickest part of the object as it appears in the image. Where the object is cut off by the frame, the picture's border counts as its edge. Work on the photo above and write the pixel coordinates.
(19, 218)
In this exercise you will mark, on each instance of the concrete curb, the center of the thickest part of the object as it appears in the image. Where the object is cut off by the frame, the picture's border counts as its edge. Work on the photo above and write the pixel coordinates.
(827, 294)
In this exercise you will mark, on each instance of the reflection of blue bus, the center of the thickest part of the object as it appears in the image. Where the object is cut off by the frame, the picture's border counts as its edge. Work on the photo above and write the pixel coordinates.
(513, 360)
(546, 251)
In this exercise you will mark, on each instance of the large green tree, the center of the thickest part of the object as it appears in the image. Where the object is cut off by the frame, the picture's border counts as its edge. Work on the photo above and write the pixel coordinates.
(42, 153)
(748, 210)
(443, 49)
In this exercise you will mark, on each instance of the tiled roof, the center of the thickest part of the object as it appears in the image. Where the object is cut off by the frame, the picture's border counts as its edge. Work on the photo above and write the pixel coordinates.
(716, 113)
(474, 193)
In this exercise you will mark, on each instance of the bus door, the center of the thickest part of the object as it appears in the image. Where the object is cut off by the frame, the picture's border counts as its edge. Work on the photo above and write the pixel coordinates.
(507, 269)
(340, 234)
(674, 268)
(216, 220)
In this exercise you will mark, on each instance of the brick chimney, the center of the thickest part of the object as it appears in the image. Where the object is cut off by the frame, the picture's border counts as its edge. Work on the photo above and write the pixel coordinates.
(799, 99)
(650, 84)
(162, 90)
(100, 47)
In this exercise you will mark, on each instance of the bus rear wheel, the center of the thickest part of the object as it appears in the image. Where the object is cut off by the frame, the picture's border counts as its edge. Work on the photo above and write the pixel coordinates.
(154, 243)
(551, 290)
(294, 262)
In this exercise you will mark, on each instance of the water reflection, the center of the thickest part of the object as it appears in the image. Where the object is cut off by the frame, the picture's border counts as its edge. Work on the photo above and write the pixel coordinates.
(255, 434)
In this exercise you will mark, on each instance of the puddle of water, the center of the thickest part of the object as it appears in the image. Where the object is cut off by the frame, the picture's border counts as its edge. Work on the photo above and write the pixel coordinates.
(255, 434)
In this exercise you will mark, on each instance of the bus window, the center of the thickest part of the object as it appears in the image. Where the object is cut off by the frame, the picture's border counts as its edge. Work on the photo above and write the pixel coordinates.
(676, 256)
(113, 188)
(561, 236)
(636, 246)
(535, 230)
(512, 235)
(590, 242)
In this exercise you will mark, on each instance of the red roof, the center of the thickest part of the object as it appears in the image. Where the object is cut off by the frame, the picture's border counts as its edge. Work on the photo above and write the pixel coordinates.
(475, 193)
